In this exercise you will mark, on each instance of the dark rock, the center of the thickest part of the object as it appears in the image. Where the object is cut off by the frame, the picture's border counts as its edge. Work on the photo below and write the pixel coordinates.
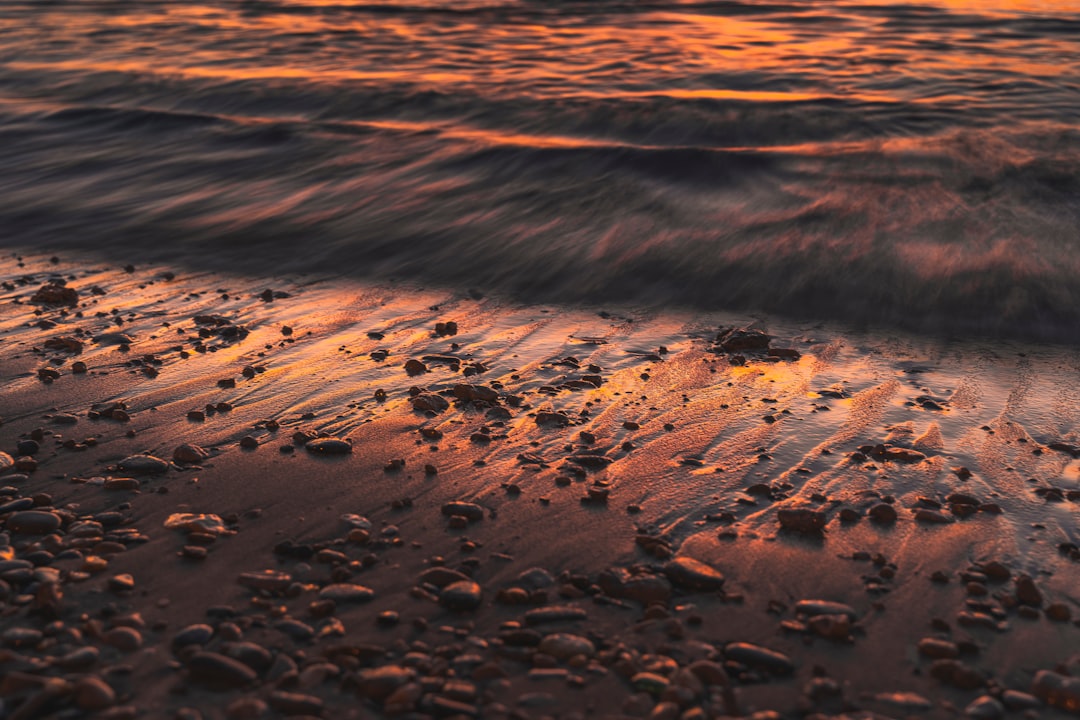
(33, 522)
(328, 446)
(461, 596)
(691, 574)
(802, 520)
(759, 658)
(219, 672)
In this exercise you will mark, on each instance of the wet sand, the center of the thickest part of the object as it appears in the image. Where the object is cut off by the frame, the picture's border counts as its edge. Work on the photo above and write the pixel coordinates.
(539, 511)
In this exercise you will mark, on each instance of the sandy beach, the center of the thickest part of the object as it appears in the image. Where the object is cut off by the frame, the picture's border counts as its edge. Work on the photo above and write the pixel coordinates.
(235, 497)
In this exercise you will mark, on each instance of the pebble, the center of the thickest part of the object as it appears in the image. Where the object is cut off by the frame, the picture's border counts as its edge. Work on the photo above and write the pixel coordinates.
(122, 583)
(254, 656)
(126, 639)
(143, 465)
(802, 520)
(7, 463)
(645, 588)
(219, 671)
(92, 693)
(691, 574)
(956, 673)
(985, 707)
(1027, 592)
(188, 453)
(378, 683)
(554, 613)
(907, 702)
(1056, 690)
(192, 635)
(427, 402)
(471, 511)
(21, 637)
(290, 704)
(937, 648)
(268, 580)
(563, 646)
(812, 608)
(883, 514)
(461, 595)
(33, 522)
(347, 593)
(759, 658)
(328, 446)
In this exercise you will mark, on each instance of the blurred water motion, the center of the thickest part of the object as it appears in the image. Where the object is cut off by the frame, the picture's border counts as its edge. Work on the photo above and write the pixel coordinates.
(906, 162)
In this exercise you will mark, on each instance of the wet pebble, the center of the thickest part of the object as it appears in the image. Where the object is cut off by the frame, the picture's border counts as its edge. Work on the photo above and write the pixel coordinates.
(347, 593)
(802, 520)
(1057, 690)
(33, 522)
(691, 574)
(219, 671)
(192, 635)
(759, 658)
(563, 646)
(329, 446)
(461, 596)
(143, 465)
(268, 580)
(191, 454)
(985, 707)
(92, 694)
(470, 511)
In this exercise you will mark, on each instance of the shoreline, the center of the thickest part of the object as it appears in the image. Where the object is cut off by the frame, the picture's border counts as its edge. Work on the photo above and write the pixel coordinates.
(663, 555)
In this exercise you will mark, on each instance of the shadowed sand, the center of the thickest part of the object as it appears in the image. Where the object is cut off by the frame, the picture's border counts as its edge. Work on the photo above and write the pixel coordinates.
(597, 445)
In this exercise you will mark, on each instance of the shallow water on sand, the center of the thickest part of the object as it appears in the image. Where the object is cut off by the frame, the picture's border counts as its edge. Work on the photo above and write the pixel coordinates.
(892, 162)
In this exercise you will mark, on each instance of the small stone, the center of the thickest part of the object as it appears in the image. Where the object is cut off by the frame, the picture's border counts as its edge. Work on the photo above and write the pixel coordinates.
(290, 704)
(268, 580)
(957, 674)
(92, 694)
(1058, 612)
(686, 572)
(985, 707)
(219, 672)
(759, 658)
(33, 522)
(329, 446)
(55, 294)
(813, 608)
(1056, 690)
(125, 639)
(378, 683)
(937, 648)
(461, 596)
(1027, 592)
(553, 614)
(471, 511)
(248, 442)
(883, 514)
(802, 520)
(191, 454)
(415, 367)
(428, 402)
(122, 583)
(143, 465)
(198, 635)
(563, 646)
(347, 593)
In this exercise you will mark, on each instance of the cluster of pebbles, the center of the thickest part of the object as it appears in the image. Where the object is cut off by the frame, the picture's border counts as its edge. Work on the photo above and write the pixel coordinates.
(309, 635)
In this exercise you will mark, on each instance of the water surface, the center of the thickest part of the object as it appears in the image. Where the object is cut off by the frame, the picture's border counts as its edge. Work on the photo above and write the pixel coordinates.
(907, 162)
